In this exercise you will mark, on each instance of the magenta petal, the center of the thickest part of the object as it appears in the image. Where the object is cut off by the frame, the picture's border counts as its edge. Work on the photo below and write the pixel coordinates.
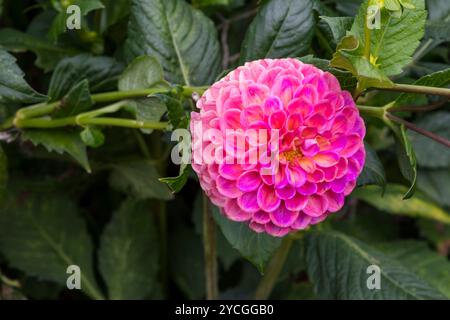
(335, 200)
(316, 206)
(279, 178)
(296, 203)
(353, 144)
(308, 93)
(277, 119)
(249, 181)
(248, 202)
(261, 217)
(296, 177)
(276, 231)
(338, 185)
(230, 171)
(252, 114)
(286, 192)
(235, 213)
(293, 121)
(302, 222)
(228, 187)
(258, 228)
(300, 106)
(326, 159)
(267, 199)
(272, 104)
(283, 217)
(307, 189)
(231, 118)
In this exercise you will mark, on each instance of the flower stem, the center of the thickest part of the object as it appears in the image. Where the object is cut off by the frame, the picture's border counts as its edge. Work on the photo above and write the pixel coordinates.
(273, 269)
(42, 109)
(376, 112)
(411, 88)
(421, 131)
(209, 246)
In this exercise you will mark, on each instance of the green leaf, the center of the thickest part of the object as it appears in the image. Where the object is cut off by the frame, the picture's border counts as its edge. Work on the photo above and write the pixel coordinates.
(3, 173)
(61, 142)
(417, 207)
(436, 184)
(255, 247)
(148, 109)
(436, 79)
(101, 72)
(139, 178)
(338, 26)
(373, 172)
(43, 234)
(178, 118)
(280, 29)
(391, 46)
(48, 54)
(182, 38)
(115, 11)
(87, 6)
(92, 137)
(129, 252)
(13, 88)
(177, 183)
(142, 73)
(337, 267)
(77, 100)
(427, 264)
(429, 152)
(406, 159)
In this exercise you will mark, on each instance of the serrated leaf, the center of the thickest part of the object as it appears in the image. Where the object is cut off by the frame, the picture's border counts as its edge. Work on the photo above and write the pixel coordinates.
(139, 178)
(417, 207)
(406, 159)
(391, 45)
(338, 26)
(92, 137)
(13, 88)
(427, 264)
(182, 38)
(142, 73)
(60, 141)
(255, 247)
(337, 266)
(373, 171)
(280, 29)
(3, 173)
(177, 183)
(430, 153)
(129, 252)
(43, 234)
(48, 54)
(76, 101)
(101, 72)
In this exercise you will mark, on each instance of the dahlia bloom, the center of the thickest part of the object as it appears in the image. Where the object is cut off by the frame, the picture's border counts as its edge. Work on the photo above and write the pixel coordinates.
(314, 140)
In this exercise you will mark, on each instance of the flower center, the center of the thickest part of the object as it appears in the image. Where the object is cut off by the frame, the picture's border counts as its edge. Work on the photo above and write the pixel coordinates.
(291, 156)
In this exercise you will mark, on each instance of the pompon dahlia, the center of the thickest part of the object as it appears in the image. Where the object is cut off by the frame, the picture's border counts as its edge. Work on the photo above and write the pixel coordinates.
(277, 144)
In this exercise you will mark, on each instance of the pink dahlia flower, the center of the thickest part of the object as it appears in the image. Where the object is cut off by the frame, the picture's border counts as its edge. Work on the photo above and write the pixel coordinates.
(314, 143)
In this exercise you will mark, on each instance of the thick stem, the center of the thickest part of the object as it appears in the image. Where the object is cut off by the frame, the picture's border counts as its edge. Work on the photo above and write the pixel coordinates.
(421, 131)
(411, 88)
(209, 245)
(273, 269)
(376, 112)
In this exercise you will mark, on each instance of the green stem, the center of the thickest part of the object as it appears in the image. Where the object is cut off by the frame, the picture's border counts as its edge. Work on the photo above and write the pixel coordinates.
(274, 268)
(73, 121)
(376, 112)
(366, 41)
(42, 109)
(411, 88)
(209, 245)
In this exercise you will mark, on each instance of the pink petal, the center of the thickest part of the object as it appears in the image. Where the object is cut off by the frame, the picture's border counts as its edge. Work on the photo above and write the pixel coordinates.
(258, 228)
(235, 213)
(326, 159)
(276, 231)
(308, 93)
(335, 200)
(230, 171)
(267, 199)
(316, 206)
(251, 114)
(283, 217)
(248, 202)
(295, 176)
(307, 189)
(296, 203)
(261, 217)
(228, 187)
(277, 119)
(293, 121)
(272, 104)
(338, 185)
(302, 222)
(286, 192)
(354, 142)
(300, 106)
(249, 181)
